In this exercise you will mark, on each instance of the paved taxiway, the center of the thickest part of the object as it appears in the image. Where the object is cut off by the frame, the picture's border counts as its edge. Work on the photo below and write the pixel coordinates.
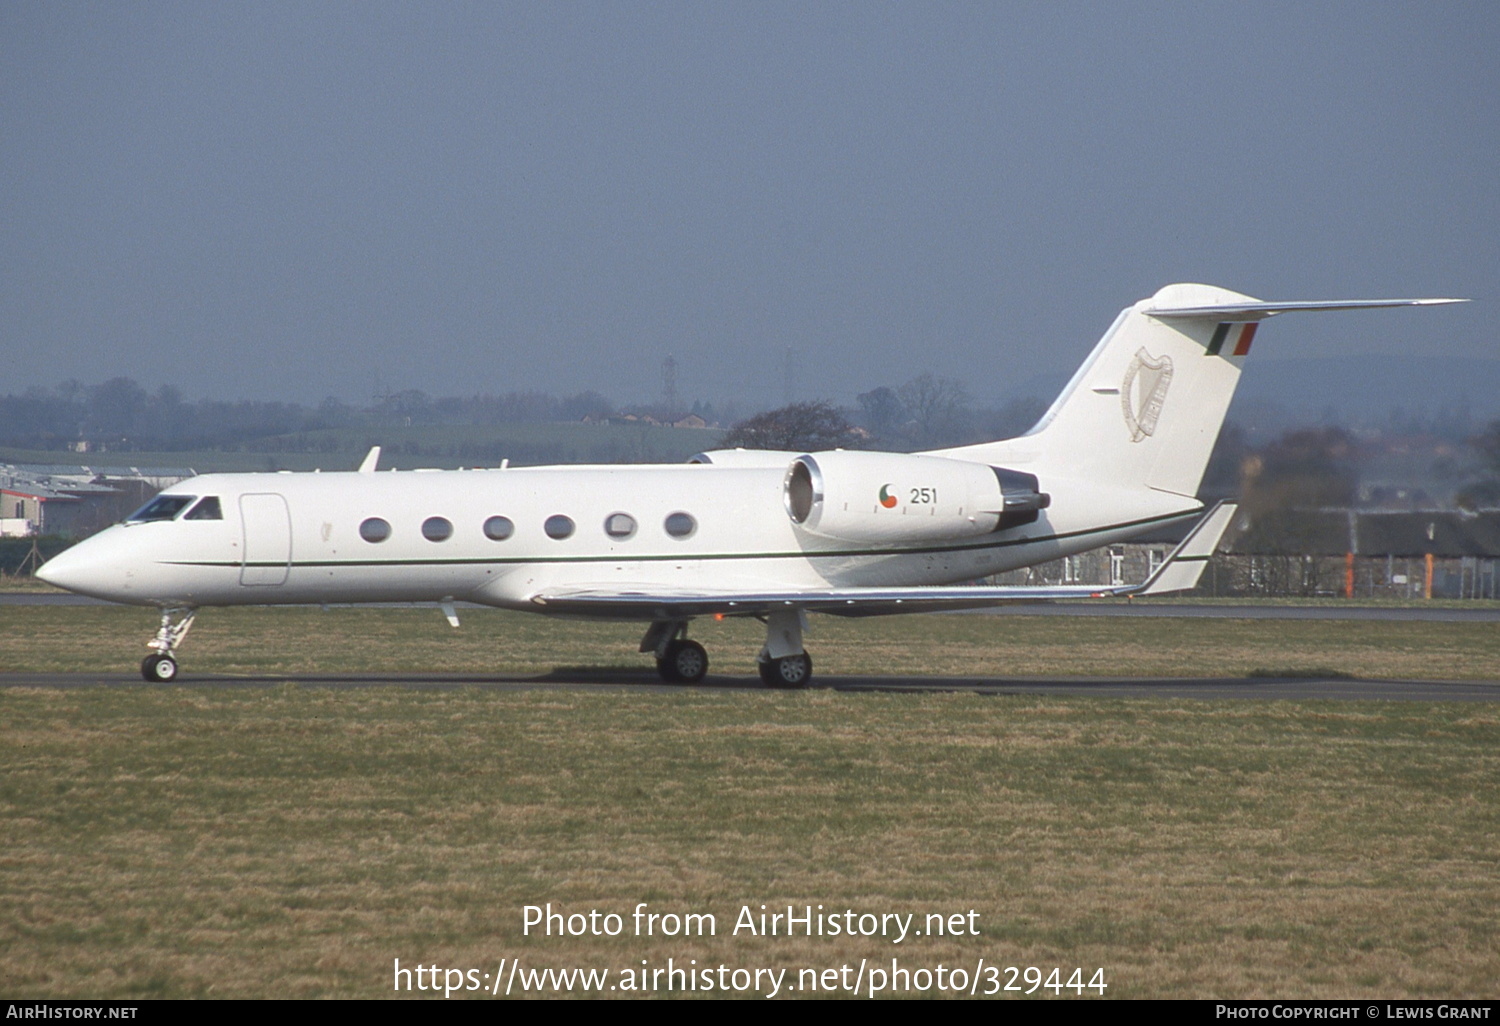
(1205, 688)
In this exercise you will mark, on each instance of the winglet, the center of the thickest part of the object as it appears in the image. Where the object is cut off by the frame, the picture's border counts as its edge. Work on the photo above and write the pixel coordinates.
(371, 458)
(1181, 570)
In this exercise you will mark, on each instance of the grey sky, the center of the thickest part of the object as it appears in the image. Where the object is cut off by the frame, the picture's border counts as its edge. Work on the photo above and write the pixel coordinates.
(286, 200)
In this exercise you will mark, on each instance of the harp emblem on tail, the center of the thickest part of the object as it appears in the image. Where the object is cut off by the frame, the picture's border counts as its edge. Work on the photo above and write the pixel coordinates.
(1143, 391)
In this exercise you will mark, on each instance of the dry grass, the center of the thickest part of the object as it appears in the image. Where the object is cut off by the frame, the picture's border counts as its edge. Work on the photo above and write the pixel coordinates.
(293, 841)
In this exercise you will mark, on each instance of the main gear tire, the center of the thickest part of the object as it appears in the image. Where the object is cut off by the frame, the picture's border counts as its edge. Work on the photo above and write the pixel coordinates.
(685, 662)
(788, 672)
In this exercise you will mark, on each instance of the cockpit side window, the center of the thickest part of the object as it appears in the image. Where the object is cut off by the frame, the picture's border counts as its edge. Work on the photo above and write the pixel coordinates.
(207, 509)
(163, 507)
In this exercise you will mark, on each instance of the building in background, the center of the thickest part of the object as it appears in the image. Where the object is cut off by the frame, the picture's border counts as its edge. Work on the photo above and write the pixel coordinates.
(72, 501)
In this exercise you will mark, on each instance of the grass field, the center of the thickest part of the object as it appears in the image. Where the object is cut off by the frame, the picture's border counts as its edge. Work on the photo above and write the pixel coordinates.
(293, 841)
(292, 640)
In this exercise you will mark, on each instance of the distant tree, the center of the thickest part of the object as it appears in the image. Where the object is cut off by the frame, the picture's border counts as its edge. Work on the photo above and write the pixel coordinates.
(333, 412)
(1282, 487)
(1487, 445)
(706, 411)
(1485, 492)
(116, 407)
(69, 391)
(1016, 417)
(883, 413)
(38, 419)
(937, 407)
(166, 416)
(1308, 469)
(1224, 477)
(526, 408)
(406, 407)
(803, 427)
(586, 404)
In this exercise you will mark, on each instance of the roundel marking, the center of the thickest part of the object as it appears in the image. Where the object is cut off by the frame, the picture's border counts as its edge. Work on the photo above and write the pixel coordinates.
(886, 499)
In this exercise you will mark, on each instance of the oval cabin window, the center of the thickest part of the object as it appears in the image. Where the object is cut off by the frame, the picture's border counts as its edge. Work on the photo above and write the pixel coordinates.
(681, 525)
(619, 525)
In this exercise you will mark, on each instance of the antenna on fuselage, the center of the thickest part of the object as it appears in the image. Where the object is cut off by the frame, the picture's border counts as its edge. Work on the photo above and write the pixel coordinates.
(371, 458)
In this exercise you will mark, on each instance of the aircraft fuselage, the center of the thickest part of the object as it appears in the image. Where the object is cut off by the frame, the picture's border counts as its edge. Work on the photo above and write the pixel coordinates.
(296, 538)
(1121, 450)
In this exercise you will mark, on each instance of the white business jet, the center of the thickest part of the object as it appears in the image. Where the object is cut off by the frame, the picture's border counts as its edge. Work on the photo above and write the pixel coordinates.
(773, 535)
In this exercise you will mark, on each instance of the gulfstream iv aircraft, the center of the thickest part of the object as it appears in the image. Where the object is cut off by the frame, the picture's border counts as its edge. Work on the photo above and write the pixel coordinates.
(773, 535)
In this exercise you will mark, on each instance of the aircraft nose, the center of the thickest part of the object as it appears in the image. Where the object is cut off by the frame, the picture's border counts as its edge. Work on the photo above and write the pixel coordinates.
(64, 570)
(89, 568)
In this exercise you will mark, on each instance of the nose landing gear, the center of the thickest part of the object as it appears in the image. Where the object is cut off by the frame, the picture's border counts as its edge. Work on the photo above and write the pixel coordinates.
(160, 667)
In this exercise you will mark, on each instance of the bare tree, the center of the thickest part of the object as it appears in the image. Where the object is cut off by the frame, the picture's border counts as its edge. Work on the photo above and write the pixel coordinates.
(936, 406)
(1485, 492)
(1307, 469)
(883, 412)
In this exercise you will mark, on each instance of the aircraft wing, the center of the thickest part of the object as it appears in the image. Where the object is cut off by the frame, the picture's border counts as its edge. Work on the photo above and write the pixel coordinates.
(1178, 572)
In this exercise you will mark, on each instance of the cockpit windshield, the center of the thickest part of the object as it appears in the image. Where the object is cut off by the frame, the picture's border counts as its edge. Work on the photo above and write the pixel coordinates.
(163, 507)
(207, 509)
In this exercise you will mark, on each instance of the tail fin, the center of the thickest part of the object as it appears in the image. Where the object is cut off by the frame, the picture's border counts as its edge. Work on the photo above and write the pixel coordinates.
(1146, 407)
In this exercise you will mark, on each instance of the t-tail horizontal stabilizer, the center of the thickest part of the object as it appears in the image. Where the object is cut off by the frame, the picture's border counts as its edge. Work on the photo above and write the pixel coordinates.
(1258, 311)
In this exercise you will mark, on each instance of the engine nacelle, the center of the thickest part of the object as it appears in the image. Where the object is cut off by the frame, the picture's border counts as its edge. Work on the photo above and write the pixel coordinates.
(896, 497)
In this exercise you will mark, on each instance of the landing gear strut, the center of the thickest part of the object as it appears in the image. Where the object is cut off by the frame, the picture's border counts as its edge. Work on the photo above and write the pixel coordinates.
(783, 662)
(678, 659)
(160, 666)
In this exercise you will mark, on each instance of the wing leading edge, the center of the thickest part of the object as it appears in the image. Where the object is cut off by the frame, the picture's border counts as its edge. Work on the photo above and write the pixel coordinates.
(1178, 572)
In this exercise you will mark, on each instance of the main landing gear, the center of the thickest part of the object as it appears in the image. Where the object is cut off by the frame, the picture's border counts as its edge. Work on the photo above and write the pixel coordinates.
(161, 667)
(678, 660)
(793, 671)
(783, 662)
